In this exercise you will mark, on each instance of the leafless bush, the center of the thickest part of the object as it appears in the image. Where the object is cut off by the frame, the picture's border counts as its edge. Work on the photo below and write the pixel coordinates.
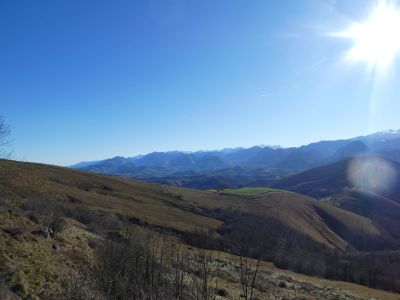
(5, 141)
(3, 288)
(5, 293)
(97, 222)
(37, 205)
(84, 215)
(109, 222)
(55, 223)
(47, 213)
(249, 275)
(7, 177)
(77, 286)
(202, 275)
(150, 267)
(179, 264)
(6, 174)
(132, 269)
(16, 230)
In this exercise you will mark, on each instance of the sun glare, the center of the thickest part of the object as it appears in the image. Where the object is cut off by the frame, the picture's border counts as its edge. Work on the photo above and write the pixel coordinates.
(377, 40)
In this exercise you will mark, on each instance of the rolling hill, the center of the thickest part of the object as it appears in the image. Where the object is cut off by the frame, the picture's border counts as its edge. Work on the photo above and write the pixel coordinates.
(371, 173)
(185, 209)
(368, 186)
(289, 228)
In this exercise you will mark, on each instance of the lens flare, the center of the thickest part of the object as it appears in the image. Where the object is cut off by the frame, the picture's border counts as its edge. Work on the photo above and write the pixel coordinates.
(372, 173)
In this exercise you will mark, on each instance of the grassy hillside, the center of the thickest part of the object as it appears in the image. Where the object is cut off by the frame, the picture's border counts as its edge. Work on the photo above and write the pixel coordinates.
(367, 186)
(250, 191)
(370, 173)
(148, 202)
(98, 206)
(383, 211)
(175, 208)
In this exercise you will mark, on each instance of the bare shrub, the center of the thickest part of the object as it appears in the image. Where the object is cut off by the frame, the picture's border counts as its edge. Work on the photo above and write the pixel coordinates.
(47, 213)
(38, 206)
(7, 175)
(5, 293)
(77, 286)
(109, 222)
(249, 275)
(179, 264)
(5, 141)
(97, 222)
(201, 274)
(148, 266)
(55, 223)
(133, 269)
(84, 215)
(8, 290)
(16, 230)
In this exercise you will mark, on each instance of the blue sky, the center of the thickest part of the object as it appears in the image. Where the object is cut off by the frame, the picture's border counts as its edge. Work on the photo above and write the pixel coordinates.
(85, 80)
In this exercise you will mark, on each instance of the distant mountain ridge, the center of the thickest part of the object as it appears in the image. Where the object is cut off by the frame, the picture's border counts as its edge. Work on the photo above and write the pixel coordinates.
(235, 167)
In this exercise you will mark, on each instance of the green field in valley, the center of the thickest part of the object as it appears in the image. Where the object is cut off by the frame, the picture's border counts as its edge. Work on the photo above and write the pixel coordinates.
(248, 191)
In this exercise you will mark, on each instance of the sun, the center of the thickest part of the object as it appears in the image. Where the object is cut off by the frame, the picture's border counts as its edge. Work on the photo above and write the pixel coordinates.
(377, 40)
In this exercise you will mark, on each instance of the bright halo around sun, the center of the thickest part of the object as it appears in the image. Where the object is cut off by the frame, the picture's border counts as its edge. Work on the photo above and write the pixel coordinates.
(377, 40)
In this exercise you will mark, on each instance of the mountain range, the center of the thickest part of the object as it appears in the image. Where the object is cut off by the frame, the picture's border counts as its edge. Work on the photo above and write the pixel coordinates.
(237, 167)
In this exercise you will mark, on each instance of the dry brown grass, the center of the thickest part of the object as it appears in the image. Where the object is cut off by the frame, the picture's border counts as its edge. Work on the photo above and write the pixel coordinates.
(178, 208)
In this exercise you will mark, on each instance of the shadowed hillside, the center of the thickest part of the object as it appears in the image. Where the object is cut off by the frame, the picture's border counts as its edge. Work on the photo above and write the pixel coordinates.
(368, 186)
(370, 173)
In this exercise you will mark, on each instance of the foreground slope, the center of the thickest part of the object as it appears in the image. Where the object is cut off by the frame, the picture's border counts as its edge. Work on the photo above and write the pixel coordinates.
(37, 269)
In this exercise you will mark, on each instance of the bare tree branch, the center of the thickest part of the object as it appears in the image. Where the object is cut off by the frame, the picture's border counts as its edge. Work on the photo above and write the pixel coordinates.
(5, 141)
